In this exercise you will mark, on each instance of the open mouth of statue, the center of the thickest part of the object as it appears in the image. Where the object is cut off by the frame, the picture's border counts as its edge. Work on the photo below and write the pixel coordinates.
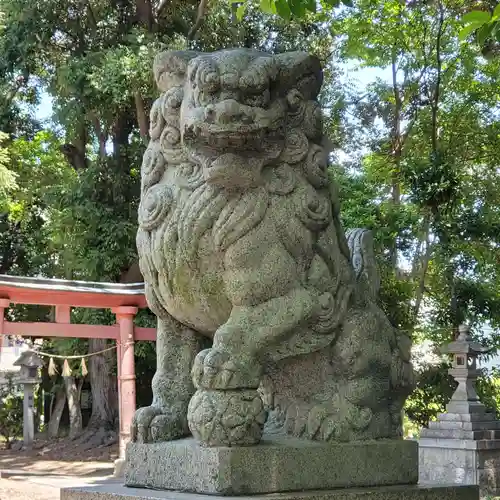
(238, 137)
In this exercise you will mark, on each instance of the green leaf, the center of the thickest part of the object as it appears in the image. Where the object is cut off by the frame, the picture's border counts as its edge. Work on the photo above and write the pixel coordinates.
(240, 11)
(467, 30)
(267, 6)
(297, 7)
(283, 9)
(484, 33)
(496, 12)
(332, 3)
(311, 5)
(476, 16)
(348, 3)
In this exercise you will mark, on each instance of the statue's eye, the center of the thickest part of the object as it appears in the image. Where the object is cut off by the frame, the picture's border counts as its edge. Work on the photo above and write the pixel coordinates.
(208, 78)
(260, 100)
(254, 81)
(254, 100)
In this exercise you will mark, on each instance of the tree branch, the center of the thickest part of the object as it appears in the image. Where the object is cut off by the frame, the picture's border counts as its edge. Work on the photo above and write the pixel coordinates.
(142, 119)
(425, 266)
(101, 136)
(160, 8)
(439, 63)
(202, 8)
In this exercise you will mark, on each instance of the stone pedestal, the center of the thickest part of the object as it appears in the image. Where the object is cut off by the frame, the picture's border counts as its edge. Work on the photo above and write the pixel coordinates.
(287, 468)
(463, 445)
(455, 461)
(115, 491)
(28, 417)
(462, 449)
(275, 465)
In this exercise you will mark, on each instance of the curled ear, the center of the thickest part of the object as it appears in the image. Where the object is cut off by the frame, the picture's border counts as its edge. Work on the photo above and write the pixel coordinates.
(360, 242)
(170, 68)
(301, 71)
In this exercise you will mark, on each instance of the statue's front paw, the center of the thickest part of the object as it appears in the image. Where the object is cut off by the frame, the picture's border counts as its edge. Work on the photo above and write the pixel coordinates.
(217, 369)
(153, 424)
(227, 418)
(334, 421)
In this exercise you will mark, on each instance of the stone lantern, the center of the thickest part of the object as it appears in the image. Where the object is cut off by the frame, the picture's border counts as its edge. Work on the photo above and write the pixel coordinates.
(30, 363)
(464, 370)
(463, 445)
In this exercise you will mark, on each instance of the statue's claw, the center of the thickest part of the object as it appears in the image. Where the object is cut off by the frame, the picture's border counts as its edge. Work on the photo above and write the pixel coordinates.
(217, 369)
(154, 424)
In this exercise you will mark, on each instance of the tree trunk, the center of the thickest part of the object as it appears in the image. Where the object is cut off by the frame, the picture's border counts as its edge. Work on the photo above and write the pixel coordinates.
(104, 386)
(121, 130)
(56, 413)
(101, 136)
(423, 268)
(142, 118)
(396, 151)
(75, 412)
(144, 13)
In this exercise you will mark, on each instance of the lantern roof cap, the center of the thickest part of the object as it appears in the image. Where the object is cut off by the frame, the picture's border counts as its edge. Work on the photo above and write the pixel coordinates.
(30, 359)
(464, 343)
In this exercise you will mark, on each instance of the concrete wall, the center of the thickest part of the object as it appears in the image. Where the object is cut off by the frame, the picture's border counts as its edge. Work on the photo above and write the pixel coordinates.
(10, 352)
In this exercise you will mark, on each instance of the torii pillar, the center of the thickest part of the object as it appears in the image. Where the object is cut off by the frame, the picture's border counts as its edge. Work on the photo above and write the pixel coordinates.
(126, 379)
(4, 304)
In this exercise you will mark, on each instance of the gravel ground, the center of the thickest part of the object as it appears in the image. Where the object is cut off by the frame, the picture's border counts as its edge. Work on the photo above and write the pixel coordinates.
(52, 465)
(26, 490)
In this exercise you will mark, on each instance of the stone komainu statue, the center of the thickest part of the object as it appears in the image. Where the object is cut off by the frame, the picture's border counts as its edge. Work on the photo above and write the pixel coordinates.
(241, 247)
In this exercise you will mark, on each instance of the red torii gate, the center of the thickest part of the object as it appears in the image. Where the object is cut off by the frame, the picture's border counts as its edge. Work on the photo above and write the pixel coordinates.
(123, 299)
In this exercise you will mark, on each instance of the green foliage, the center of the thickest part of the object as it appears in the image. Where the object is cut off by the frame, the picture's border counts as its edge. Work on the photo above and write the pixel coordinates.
(434, 389)
(488, 389)
(11, 412)
(411, 430)
(420, 163)
(95, 224)
(483, 24)
(39, 170)
(299, 9)
(7, 177)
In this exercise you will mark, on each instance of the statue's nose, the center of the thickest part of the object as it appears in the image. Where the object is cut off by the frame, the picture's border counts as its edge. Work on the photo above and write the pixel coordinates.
(227, 111)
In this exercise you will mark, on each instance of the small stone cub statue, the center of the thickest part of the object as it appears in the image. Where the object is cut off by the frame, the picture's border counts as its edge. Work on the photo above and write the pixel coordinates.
(242, 250)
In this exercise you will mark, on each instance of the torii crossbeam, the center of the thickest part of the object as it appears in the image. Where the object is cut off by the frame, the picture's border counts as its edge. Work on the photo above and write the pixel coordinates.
(123, 299)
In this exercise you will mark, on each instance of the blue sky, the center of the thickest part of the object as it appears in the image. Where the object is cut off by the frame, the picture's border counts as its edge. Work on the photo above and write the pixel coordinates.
(363, 76)
(44, 109)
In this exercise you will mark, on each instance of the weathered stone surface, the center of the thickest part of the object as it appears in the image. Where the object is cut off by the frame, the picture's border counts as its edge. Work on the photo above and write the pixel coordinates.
(466, 417)
(413, 492)
(474, 425)
(460, 444)
(285, 464)
(463, 445)
(489, 481)
(488, 459)
(458, 433)
(240, 422)
(466, 463)
(240, 242)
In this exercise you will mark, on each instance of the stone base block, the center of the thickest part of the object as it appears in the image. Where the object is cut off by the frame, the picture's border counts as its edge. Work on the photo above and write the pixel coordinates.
(456, 461)
(275, 465)
(413, 492)
(119, 467)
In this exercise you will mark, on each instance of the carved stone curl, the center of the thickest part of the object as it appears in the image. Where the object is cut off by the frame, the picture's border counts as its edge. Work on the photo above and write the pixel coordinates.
(227, 418)
(240, 244)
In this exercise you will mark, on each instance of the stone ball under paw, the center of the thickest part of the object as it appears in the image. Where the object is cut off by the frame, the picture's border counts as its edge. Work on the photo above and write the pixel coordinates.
(226, 418)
